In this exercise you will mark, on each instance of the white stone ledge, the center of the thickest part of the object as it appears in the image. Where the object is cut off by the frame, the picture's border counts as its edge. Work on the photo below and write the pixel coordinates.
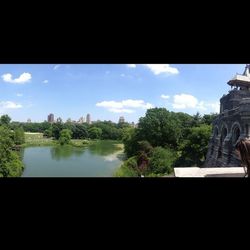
(209, 172)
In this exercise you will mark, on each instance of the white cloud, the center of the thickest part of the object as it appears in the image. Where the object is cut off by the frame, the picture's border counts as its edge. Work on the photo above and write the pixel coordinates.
(184, 101)
(19, 94)
(23, 78)
(162, 68)
(124, 106)
(9, 105)
(45, 81)
(122, 75)
(131, 65)
(165, 96)
(56, 66)
(215, 106)
(115, 110)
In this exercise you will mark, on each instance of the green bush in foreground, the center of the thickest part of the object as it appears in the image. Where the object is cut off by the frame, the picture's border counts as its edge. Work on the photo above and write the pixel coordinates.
(129, 168)
(162, 161)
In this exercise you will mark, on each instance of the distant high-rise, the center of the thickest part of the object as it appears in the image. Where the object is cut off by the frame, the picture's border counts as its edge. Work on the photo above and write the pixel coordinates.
(121, 119)
(59, 120)
(51, 118)
(88, 120)
(29, 120)
(81, 120)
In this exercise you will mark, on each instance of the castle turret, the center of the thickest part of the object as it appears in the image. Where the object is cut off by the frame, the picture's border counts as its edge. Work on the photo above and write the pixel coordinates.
(232, 123)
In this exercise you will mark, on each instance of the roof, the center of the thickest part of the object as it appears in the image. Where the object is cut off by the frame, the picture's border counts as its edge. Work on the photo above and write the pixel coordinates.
(241, 80)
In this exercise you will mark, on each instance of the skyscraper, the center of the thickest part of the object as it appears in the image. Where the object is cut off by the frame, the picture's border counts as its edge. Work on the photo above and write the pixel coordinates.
(51, 118)
(81, 120)
(59, 120)
(88, 120)
(29, 120)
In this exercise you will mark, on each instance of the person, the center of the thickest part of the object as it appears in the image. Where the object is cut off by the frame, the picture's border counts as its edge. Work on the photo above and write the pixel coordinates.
(243, 151)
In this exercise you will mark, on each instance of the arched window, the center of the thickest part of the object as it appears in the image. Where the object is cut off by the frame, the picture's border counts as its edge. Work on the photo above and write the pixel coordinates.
(247, 131)
(223, 134)
(236, 134)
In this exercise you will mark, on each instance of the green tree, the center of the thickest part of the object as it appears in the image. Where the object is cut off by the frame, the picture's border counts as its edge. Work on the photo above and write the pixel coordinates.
(56, 129)
(162, 161)
(197, 120)
(19, 136)
(130, 140)
(5, 120)
(65, 136)
(95, 133)
(129, 168)
(208, 119)
(194, 147)
(160, 128)
(145, 146)
(48, 132)
(80, 131)
(10, 163)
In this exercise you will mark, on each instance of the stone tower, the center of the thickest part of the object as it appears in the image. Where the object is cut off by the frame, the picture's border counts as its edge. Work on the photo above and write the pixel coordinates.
(231, 124)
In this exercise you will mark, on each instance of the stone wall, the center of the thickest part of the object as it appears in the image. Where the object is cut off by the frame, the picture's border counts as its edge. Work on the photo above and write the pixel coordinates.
(229, 127)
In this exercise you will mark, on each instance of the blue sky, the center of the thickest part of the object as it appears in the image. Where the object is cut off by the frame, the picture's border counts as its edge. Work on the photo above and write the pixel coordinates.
(108, 91)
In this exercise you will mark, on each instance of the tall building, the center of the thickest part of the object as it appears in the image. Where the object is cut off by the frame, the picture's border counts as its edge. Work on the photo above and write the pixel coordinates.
(232, 124)
(29, 120)
(88, 120)
(59, 120)
(81, 120)
(121, 119)
(51, 118)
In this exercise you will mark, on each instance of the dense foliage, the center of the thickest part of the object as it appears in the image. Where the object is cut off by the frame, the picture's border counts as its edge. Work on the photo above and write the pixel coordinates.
(10, 160)
(65, 136)
(164, 140)
(95, 133)
(105, 130)
(162, 161)
(19, 136)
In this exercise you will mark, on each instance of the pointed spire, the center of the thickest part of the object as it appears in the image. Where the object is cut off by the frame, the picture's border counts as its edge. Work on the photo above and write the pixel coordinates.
(247, 70)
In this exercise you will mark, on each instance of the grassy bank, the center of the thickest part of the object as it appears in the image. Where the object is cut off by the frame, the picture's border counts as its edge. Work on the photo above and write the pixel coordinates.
(80, 143)
(37, 139)
(125, 171)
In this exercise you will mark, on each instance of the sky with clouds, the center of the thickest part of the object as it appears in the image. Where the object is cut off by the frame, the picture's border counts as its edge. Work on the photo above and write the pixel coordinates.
(108, 91)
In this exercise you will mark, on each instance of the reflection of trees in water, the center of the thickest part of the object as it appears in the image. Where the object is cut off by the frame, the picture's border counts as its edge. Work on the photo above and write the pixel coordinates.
(103, 148)
(121, 156)
(63, 152)
(21, 153)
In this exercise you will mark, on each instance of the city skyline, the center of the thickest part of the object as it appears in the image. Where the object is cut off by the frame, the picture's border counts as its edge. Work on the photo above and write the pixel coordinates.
(109, 91)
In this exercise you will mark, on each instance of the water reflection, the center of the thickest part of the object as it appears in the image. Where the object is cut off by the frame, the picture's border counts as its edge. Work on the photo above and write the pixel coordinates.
(64, 152)
(71, 161)
(103, 148)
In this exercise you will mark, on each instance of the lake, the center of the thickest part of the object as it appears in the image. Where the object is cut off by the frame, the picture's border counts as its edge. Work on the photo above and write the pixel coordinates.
(100, 159)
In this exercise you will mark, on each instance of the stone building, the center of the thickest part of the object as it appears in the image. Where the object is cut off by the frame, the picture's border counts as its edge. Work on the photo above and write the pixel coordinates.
(231, 124)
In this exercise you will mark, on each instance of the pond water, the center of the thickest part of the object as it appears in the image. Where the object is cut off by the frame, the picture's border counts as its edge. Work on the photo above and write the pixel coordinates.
(100, 159)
